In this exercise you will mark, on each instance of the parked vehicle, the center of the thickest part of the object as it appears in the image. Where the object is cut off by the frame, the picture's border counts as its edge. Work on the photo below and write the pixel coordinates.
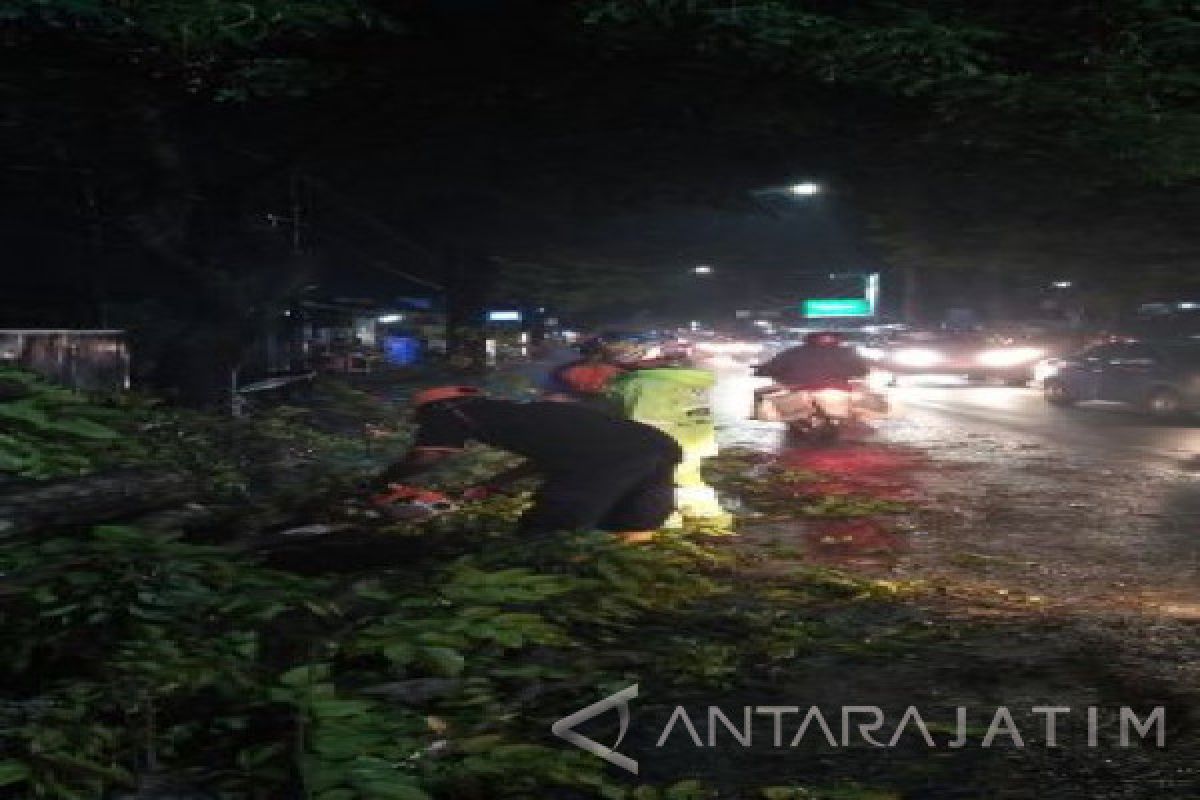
(1160, 378)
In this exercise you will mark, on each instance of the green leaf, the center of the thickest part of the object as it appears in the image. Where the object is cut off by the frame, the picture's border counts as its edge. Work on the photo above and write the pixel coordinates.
(442, 638)
(687, 790)
(258, 755)
(399, 654)
(306, 675)
(521, 751)
(333, 708)
(12, 772)
(10, 462)
(479, 744)
(24, 411)
(85, 428)
(392, 791)
(785, 793)
(443, 661)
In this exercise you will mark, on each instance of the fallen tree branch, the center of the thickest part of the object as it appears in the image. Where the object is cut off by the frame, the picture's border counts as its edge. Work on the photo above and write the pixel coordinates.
(90, 499)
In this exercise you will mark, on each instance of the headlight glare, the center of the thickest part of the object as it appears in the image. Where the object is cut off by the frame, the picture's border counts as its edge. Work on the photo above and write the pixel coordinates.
(871, 353)
(917, 357)
(1009, 356)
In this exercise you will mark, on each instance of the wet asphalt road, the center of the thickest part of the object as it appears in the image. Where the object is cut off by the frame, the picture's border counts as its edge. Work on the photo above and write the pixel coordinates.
(1096, 431)
(1067, 540)
(1090, 507)
(934, 412)
(1085, 506)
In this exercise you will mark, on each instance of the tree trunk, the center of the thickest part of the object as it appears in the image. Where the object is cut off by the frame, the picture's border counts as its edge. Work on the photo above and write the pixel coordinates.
(90, 500)
(468, 280)
(537, 330)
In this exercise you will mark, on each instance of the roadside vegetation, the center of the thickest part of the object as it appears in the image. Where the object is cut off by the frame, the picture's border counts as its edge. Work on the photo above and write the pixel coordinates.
(411, 660)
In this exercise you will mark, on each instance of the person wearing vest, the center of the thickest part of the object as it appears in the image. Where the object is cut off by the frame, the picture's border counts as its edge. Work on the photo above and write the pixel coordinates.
(674, 398)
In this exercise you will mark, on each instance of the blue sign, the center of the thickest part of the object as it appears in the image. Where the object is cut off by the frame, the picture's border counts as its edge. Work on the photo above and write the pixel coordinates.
(403, 351)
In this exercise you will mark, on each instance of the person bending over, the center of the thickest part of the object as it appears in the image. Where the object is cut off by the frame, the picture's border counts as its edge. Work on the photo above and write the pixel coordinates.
(598, 472)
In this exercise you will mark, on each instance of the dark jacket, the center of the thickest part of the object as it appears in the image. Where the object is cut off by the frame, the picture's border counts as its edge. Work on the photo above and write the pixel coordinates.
(815, 367)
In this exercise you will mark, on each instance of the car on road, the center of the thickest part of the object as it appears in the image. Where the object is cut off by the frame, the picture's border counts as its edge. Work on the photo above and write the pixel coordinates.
(726, 349)
(976, 356)
(1161, 378)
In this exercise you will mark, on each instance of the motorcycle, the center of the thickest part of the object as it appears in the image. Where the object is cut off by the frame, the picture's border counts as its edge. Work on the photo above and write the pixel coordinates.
(819, 413)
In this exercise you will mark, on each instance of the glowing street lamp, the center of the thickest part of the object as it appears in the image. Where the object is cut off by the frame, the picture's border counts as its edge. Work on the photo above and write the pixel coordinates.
(702, 270)
(806, 189)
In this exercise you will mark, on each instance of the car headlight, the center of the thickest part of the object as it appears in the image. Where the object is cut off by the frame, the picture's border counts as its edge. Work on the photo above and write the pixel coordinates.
(1045, 368)
(871, 353)
(917, 357)
(730, 348)
(1009, 356)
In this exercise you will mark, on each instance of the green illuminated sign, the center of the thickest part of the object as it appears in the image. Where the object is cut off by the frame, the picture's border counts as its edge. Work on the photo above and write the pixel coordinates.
(838, 307)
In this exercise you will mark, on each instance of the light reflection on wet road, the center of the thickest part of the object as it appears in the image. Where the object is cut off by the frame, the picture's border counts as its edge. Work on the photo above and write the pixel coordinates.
(1072, 535)
(1087, 505)
(733, 401)
(1100, 431)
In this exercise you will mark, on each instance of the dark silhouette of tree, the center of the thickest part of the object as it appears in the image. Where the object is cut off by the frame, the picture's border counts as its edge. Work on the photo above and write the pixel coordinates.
(999, 138)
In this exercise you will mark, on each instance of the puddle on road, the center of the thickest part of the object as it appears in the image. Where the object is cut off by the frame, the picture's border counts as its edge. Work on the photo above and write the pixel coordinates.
(830, 506)
(862, 544)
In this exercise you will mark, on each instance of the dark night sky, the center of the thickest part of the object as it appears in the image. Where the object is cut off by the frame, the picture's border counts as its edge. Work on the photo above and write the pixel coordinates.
(808, 238)
(592, 164)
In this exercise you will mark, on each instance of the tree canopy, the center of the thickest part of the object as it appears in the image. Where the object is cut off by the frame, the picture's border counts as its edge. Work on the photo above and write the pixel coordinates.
(159, 136)
(1115, 82)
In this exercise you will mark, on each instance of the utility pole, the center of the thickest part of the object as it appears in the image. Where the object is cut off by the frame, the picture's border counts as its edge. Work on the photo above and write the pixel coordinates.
(95, 248)
(296, 213)
(295, 217)
(911, 299)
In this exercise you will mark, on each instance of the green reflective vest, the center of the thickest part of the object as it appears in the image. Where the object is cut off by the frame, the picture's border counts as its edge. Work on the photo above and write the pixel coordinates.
(673, 399)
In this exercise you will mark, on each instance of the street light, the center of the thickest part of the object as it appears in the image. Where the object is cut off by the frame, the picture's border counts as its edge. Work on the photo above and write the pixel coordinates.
(806, 189)
(1063, 284)
(702, 270)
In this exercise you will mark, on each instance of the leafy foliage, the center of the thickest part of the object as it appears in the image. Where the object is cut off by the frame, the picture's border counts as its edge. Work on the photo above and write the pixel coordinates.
(191, 30)
(135, 656)
(124, 636)
(53, 432)
(1118, 79)
(137, 653)
(182, 626)
(50, 431)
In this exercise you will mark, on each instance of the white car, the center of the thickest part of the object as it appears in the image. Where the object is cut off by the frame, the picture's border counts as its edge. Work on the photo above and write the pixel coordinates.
(974, 356)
